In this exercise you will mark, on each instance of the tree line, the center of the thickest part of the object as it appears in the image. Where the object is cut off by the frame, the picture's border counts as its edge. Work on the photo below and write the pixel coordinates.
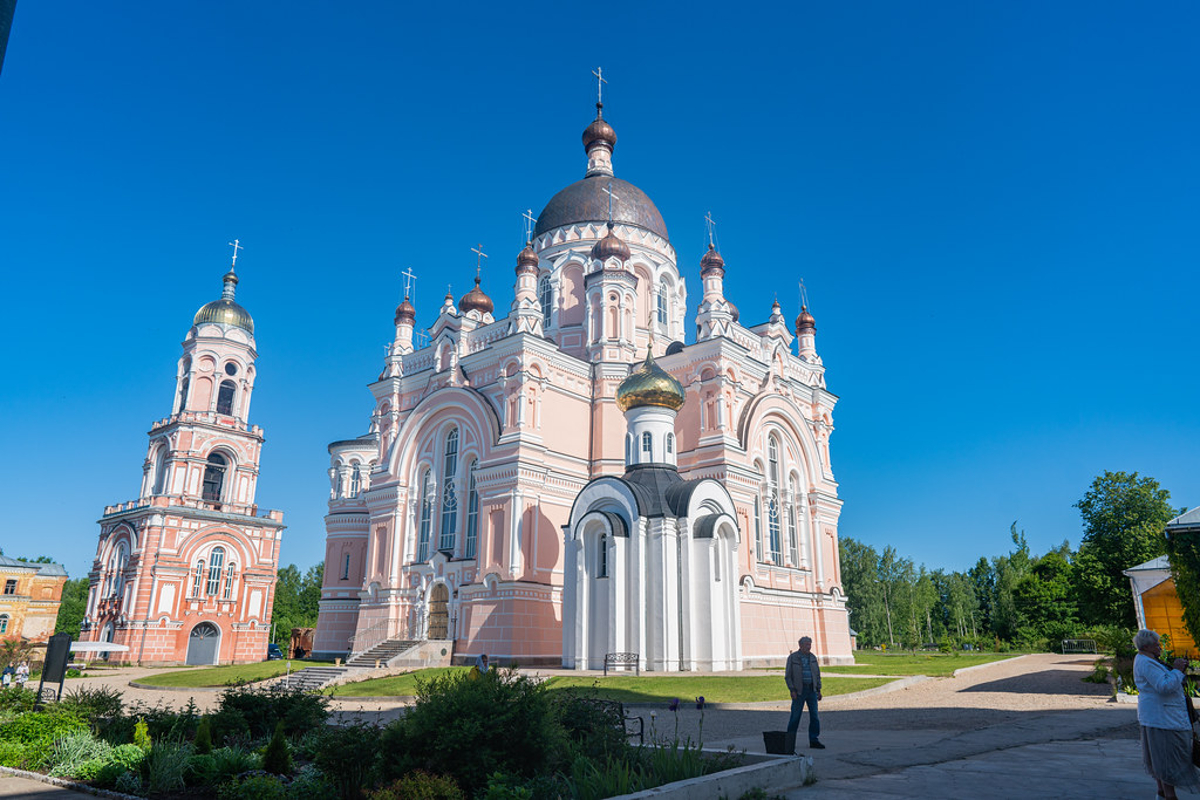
(1018, 599)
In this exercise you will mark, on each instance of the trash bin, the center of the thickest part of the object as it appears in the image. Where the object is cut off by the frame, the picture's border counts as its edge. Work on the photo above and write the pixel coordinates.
(780, 743)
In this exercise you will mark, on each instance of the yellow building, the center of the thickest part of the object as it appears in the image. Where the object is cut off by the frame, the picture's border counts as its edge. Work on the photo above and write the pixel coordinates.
(29, 598)
(1157, 604)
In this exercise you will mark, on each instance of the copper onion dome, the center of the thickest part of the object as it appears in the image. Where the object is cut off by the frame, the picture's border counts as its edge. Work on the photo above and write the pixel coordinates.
(599, 131)
(611, 245)
(733, 310)
(712, 262)
(527, 260)
(225, 311)
(405, 312)
(650, 385)
(805, 321)
(476, 300)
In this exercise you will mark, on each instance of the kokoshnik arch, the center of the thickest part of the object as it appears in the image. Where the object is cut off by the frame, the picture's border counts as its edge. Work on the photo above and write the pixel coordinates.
(570, 480)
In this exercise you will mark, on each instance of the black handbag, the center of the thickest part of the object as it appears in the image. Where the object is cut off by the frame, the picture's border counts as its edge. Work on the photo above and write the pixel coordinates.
(1191, 711)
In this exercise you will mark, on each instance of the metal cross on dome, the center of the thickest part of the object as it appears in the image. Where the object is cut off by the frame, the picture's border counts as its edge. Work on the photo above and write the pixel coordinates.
(409, 277)
(708, 220)
(599, 73)
(530, 220)
(608, 191)
(236, 246)
(803, 295)
(479, 257)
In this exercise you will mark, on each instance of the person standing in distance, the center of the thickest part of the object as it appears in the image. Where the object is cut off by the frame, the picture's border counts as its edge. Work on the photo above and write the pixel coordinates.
(803, 677)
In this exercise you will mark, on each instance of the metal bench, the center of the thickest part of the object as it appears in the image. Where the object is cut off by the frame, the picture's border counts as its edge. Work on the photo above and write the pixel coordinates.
(615, 660)
(614, 710)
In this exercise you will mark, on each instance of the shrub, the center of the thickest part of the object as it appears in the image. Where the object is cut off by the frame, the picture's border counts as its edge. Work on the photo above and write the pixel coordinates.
(277, 758)
(97, 705)
(232, 761)
(469, 729)
(229, 726)
(310, 784)
(346, 757)
(71, 751)
(38, 730)
(201, 770)
(12, 754)
(128, 783)
(121, 759)
(17, 700)
(419, 785)
(263, 709)
(597, 727)
(141, 735)
(203, 742)
(165, 766)
(253, 787)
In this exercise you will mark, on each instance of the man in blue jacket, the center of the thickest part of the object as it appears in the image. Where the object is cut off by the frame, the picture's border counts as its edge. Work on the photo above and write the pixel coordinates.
(803, 677)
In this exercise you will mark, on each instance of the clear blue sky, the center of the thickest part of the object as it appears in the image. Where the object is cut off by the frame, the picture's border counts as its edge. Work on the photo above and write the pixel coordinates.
(995, 210)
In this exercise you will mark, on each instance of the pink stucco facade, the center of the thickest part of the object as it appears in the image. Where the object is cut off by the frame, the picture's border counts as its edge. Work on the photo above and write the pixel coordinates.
(449, 519)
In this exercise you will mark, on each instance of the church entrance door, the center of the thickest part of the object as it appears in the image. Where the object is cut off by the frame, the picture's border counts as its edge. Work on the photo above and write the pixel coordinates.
(439, 616)
(203, 644)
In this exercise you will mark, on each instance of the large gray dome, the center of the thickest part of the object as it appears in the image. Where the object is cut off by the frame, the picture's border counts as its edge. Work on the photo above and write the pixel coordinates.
(586, 201)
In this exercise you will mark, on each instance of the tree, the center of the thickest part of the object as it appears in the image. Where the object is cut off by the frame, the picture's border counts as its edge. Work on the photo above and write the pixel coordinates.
(72, 607)
(895, 577)
(1123, 521)
(297, 601)
(1008, 570)
(864, 595)
(1046, 596)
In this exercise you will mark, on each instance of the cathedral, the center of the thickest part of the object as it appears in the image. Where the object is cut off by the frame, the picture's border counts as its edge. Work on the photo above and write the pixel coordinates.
(571, 480)
(186, 572)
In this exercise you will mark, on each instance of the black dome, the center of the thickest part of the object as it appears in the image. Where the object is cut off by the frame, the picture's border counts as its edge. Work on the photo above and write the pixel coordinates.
(586, 201)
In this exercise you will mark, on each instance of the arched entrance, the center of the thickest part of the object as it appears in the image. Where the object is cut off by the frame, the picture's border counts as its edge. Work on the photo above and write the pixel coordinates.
(106, 635)
(439, 616)
(203, 644)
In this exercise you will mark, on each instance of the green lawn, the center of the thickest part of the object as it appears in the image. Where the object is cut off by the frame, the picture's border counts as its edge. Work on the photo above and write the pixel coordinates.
(223, 676)
(935, 665)
(634, 689)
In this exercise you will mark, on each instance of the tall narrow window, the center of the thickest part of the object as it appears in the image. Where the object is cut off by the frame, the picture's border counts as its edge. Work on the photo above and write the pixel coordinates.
(225, 397)
(183, 390)
(346, 568)
(214, 478)
(628, 448)
(472, 511)
(160, 469)
(545, 296)
(198, 580)
(758, 543)
(426, 512)
(355, 479)
(793, 540)
(230, 571)
(662, 304)
(670, 443)
(449, 497)
(10, 586)
(647, 445)
(773, 500)
(3, 623)
(602, 557)
(216, 560)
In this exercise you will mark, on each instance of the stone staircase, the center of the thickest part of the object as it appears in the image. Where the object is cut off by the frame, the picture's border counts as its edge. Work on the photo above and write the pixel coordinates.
(383, 653)
(313, 678)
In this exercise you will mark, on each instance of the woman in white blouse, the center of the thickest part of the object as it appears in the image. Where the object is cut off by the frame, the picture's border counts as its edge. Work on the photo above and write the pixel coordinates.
(1163, 715)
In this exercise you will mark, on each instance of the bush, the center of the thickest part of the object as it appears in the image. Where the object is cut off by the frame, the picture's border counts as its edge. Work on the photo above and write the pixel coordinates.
(419, 785)
(165, 766)
(128, 783)
(201, 770)
(310, 784)
(203, 742)
(141, 735)
(469, 729)
(37, 731)
(263, 709)
(121, 759)
(347, 755)
(253, 787)
(12, 754)
(230, 762)
(70, 752)
(96, 705)
(595, 726)
(277, 758)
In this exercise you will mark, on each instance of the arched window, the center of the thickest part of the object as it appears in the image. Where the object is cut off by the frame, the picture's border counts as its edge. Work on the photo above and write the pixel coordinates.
(773, 499)
(160, 469)
(355, 479)
(449, 497)
(793, 541)
(230, 571)
(183, 390)
(216, 560)
(346, 568)
(545, 297)
(758, 543)
(647, 445)
(426, 514)
(3, 623)
(116, 568)
(225, 397)
(198, 579)
(628, 448)
(472, 511)
(602, 557)
(214, 478)
(662, 303)
(670, 443)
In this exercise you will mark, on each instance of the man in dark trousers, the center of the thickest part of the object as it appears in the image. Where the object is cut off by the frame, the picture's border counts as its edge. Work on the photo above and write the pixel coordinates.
(803, 677)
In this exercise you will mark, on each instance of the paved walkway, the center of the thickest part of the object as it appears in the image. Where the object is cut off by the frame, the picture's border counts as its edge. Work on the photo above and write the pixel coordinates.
(18, 788)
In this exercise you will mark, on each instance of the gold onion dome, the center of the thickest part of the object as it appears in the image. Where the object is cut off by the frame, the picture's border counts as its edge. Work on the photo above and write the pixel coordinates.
(405, 311)
(476, 300)
(650, 385)
(712, 262)
(805, 321)
(599, 131)
(611, 245)
(527, 260)
(225, 311)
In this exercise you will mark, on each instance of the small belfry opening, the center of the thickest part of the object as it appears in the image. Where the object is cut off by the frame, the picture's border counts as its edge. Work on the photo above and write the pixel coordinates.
(214, 478)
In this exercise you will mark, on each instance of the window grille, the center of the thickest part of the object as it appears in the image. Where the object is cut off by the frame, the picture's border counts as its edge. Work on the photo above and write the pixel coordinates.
(472, 512)
(216, 561)
(449, 496)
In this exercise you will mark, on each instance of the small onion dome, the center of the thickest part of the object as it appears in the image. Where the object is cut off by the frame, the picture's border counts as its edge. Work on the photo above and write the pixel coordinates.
(225, 311)
(405, 312)
(733, 310)
(611, 245)
(805, 321)
(527, 260)
(712, 262)
(476, 300)
(599, 131)
(650, 385)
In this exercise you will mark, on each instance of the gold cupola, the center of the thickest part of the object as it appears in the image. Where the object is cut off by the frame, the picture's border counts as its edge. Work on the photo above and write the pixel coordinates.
(225, 311)
(650, 385)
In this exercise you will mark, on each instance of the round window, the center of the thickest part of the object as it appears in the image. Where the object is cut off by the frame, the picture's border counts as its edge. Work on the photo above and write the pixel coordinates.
(231, 368)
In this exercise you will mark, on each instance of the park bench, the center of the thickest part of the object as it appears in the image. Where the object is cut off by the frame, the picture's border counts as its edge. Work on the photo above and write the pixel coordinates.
(615, 660)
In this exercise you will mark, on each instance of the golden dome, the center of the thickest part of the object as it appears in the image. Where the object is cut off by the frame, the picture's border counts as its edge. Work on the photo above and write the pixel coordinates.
(805, 321)
(650, 385)
(476, 300)
(225, 311)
